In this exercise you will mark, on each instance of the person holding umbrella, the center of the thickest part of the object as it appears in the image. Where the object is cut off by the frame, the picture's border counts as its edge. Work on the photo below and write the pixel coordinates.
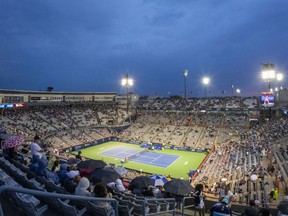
(11, 145)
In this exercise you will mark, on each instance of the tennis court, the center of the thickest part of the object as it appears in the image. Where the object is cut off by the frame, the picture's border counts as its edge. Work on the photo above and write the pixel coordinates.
(142, 156)
(166, 162)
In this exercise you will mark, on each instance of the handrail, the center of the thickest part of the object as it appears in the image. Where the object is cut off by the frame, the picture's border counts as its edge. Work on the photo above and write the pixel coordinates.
(188, 206)
(57, 195)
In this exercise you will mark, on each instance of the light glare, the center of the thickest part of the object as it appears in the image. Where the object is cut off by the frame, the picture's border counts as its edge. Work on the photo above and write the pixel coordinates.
(268, 74)
(185, 73)
(279, 76)
(206, 80)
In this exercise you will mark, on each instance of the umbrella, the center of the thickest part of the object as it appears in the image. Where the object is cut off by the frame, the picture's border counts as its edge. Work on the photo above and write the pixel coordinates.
(104, 175)
(91, 164)
(73, 161)
(283, 207)
(253, 177)
(178, 187)
(158, 180)
(13, 141)
(121, 170)
(140, 182)
(223, 179)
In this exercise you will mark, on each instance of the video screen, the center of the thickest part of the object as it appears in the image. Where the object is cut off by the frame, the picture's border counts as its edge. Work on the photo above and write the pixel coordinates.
(267, 100)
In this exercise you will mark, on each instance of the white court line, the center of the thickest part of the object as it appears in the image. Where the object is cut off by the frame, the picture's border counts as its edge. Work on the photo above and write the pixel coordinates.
(125, 150)
(186, 163)
(156, 158)
(174, 161)
(111, 149)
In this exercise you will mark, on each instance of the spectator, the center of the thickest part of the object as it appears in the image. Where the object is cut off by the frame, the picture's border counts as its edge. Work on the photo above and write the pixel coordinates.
(71, 184)
(100, 191)
(79, 155)
(56, 166)
(251, 210)
(199, 200)
(82, 187)
(221, 208)
(117, 186)
(275, 195)
(62, 173)
(35, 148)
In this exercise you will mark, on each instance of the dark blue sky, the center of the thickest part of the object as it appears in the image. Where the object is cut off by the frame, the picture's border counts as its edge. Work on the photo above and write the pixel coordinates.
(89, 45)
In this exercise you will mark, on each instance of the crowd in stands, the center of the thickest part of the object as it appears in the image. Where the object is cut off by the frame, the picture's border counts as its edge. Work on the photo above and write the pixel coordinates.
(239, 152)
(176, 103)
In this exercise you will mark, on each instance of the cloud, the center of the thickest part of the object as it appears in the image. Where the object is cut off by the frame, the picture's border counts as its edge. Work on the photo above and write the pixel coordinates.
(89, 45)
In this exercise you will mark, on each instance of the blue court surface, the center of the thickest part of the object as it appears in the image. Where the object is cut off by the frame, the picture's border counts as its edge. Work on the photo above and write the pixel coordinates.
(140, 156)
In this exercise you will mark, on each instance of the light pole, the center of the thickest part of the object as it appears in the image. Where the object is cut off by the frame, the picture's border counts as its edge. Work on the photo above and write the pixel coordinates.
(185, 74)
(206, 81)
(127, 82)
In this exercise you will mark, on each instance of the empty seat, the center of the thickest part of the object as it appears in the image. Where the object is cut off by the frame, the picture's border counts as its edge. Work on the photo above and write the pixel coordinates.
(125, 210)
(29, 208)
(139, 210)
(69, 210)
(101, 210)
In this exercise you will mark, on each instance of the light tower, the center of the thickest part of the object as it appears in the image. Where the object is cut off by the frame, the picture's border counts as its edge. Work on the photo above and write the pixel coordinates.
(127, 82)
(268, 73)
(206, 81)
(185, 74)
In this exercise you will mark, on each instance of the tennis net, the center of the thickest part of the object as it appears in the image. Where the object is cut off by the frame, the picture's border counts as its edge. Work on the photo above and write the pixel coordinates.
(137, 154)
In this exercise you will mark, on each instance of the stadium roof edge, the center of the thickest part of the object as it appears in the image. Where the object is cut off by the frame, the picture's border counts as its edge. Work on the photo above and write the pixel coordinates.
(8, 91)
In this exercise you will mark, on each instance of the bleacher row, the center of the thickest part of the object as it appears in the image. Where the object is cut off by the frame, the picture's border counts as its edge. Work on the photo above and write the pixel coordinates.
(178, 103)
(233, 163)
(282, 159)
(188, 129)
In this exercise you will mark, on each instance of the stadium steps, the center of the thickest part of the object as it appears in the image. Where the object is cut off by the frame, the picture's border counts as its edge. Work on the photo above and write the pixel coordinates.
(185, 137)
(172, 132)
(199, 138)
(44, 119)
(70, 116)
(147, 131)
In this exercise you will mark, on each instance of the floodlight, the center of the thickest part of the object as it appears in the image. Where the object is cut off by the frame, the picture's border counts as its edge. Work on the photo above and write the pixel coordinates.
(185, 73)
(130, 82)
(279, 76)
(268, 75)
(123, 82)
(206, 80)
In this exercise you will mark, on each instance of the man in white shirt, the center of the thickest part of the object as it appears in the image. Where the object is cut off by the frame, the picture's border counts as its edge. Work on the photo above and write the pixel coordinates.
(35, 148)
